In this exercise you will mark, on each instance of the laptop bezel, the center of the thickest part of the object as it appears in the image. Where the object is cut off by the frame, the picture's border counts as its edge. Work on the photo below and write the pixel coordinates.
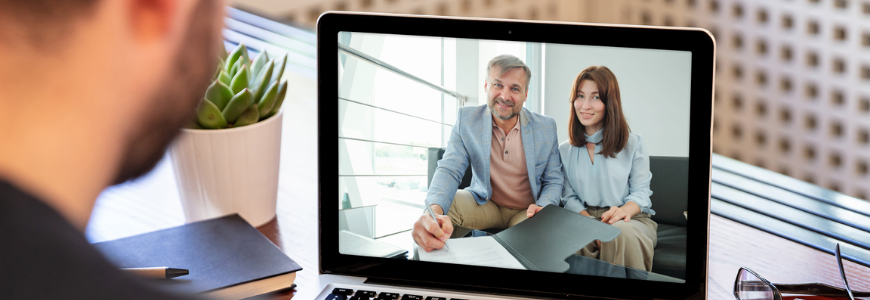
(418, 273)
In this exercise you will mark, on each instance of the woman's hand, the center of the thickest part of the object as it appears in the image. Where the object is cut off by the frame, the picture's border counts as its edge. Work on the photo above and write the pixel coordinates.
(620, 213)
(614, 214)
(533, 209)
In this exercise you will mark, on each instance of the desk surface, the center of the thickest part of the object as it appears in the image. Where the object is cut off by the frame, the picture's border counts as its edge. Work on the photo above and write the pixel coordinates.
(152, 202)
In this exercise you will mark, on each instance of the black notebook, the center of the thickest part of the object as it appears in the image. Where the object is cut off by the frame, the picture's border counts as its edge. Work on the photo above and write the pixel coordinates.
(540, 243)
(227, 258)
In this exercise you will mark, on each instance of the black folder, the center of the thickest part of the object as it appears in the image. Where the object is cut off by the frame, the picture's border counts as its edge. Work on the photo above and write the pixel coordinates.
(545, 241)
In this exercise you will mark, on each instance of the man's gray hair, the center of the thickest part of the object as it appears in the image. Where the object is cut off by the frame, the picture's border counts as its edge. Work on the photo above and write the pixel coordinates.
(505, 62)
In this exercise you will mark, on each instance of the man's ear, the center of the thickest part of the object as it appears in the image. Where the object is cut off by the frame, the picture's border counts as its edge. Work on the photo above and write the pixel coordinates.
(151, 19)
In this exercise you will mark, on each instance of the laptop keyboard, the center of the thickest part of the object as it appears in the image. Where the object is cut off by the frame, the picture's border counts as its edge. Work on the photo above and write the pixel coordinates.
(349, 294)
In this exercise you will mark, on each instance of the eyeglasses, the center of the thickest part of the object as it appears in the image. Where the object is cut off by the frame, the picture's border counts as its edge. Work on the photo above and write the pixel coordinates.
(751, 286)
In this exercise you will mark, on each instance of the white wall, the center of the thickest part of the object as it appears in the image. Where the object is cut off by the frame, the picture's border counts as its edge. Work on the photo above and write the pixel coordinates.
(654, 85)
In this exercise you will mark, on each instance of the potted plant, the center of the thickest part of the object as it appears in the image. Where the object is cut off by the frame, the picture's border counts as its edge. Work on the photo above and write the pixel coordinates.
(227, 160)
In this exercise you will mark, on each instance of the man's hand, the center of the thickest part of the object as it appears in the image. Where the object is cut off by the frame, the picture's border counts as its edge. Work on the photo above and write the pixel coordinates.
(533, 209)
(615, 214)
(429, 234)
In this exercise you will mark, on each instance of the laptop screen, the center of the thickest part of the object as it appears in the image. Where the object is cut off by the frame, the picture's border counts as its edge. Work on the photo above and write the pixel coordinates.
(490, 132)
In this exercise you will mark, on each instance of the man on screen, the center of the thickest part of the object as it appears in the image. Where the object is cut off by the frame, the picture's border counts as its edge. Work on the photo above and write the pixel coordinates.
(514, 158)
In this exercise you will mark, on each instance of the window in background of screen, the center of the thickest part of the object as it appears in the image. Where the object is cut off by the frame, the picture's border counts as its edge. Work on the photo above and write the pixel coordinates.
(388, 121)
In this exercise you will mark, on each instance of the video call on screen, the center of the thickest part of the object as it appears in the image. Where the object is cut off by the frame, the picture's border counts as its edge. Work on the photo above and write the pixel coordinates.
(395, 117)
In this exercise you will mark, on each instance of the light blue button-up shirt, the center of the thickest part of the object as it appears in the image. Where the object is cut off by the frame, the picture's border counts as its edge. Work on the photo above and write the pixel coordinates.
(608, 181)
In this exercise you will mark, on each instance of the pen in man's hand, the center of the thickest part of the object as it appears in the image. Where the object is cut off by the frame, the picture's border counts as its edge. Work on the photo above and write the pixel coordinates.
(432, 213)
(157, 272)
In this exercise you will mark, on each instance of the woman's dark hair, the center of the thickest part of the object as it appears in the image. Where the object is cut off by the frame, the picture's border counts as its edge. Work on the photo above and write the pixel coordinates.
(615, 127)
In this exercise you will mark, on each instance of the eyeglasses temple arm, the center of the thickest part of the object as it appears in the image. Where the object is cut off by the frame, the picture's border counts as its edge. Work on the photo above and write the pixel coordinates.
(818, 289)
(843, 272)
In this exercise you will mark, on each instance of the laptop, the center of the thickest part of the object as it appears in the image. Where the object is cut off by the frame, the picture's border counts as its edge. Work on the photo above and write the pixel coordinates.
(392, 90)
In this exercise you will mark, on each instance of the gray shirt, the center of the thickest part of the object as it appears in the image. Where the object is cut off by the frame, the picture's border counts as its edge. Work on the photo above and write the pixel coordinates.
(608, 181)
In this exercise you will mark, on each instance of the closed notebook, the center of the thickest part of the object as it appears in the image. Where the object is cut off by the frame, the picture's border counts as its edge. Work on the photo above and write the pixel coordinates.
(227, 258)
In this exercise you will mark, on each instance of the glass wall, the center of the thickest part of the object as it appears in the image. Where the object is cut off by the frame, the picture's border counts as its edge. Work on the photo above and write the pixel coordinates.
(389, 120)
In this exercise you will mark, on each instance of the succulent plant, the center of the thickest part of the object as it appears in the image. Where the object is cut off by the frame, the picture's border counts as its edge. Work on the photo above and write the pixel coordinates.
(244, 91)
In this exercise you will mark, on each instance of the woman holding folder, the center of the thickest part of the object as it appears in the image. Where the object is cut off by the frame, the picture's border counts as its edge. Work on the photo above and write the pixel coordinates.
(606, 169)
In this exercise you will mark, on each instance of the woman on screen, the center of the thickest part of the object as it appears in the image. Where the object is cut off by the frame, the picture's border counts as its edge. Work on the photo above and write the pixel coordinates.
(606, 171)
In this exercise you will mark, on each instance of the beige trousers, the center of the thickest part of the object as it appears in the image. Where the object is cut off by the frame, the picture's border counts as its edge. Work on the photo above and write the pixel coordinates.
(633, 248)
(466, 212)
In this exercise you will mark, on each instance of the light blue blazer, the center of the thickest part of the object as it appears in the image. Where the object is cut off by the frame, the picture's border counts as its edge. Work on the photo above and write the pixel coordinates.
(471, 143)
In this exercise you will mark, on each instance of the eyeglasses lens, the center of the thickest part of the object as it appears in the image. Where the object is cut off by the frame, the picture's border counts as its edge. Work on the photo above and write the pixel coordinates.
(750, 287)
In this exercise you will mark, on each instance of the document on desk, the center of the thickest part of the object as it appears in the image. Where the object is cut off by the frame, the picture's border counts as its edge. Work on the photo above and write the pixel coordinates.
(541, 243)
(478, 251)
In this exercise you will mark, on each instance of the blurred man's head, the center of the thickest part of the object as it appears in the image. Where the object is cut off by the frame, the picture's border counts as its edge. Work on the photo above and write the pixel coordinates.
(48, 26)
(173, 102)
(106, 84)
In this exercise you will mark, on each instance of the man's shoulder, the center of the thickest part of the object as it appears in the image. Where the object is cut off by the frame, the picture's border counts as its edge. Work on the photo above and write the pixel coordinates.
(467, 112)
(51, 252)
(539, 119)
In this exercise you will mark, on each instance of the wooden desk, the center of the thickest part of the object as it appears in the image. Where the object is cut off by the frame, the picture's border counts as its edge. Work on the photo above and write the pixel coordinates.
(152, 203)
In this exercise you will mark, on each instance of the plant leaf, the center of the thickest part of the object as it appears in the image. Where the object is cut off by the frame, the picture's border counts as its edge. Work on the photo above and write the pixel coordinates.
(219, 94)
(259, 61)
(238, 104)
(234, 56)
(268, 101)
(245, 59)
(235, 69)
(262, 81)
(209, 116)
(250, 116)
(240, 81)
(280, 64)
(279, 99)
(220, 67)
(225, 78)
(193, 125)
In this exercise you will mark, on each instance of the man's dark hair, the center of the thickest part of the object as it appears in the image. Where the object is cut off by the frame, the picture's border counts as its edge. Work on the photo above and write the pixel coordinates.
(40, 24)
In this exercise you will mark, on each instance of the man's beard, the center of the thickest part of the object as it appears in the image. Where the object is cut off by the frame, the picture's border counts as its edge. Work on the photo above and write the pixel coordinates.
(492, 107)
(175, 100)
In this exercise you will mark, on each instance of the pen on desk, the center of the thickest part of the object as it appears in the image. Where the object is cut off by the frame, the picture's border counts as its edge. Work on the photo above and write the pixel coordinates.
(432, 213)
(157, 272)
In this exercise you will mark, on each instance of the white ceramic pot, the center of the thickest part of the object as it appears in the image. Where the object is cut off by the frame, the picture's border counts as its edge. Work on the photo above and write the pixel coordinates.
(225, 171)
